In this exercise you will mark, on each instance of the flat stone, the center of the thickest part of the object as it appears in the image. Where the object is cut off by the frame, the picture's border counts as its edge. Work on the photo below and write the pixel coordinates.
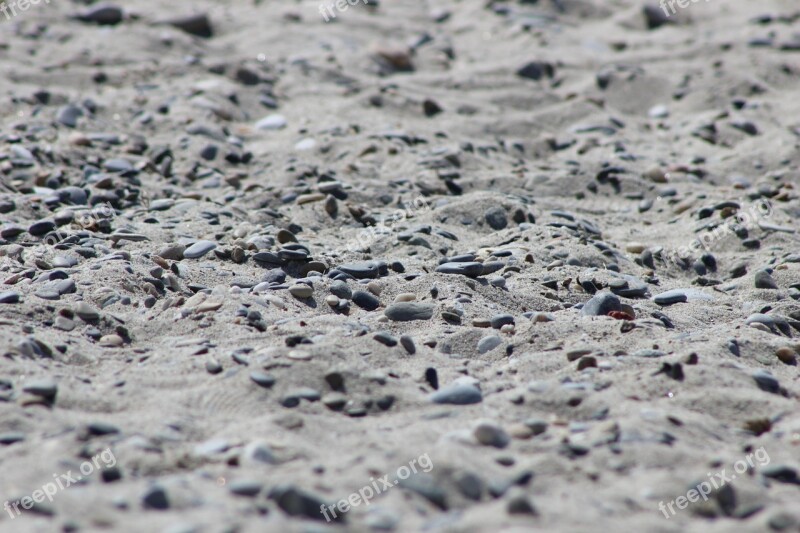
(41, 227)
(670, 297)
(459, 394)
(271, 123)
(261, 379)
(408, 311)
(247, 487)
(469, 269)
(86, 312)
(649, 353)
(498, 321)
(301, 290)
(199, 249)
(363, 270)
(9, 297)
(44, 388)
(766, 381)
(489, 343)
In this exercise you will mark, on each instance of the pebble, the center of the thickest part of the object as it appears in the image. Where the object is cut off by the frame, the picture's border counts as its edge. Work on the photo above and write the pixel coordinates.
(458, 394)
(155, 497)
(301, 290)
(498, 321)
(261, 379)
(496, 218)
(111, 341)
(408, 343)
(341, 290)
(487, 344)
(490, 434)
(469, 269)
(385, 338)
(248, 487)
(44, 388)
(9, 297)
(271, 123)
(408, 311)
(671, 297)
(365, 300)
(499, 282)
(363, 270)
(763, 280)
(787, 355)
(766, 381)
(198, 249)
(86, 312)
(601, 304)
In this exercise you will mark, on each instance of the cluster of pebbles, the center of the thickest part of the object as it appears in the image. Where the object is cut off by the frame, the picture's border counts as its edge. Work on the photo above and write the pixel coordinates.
(266, 260)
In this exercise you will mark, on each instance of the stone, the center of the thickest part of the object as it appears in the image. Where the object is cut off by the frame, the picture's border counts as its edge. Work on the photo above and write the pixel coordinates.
(489, 343)
(408, 311)
(385, 338)
(498, 321)
(601, 304)
(763, 280)
(490, 434)
(301, 290)
(9, 297)
(198, 249)
(155, 498)
(670, 297)
(469, 269)
(271, 123)
(457, 394)
(364, 269)
(496, 218)
(365, 300)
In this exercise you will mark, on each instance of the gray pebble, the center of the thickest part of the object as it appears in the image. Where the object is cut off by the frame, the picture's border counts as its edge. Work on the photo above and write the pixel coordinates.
(489, 343)
(469, 269)
(385, 338)
(408, 343)
(498, 321)
(457, 395)
(9, 297)
(764, 281)
(766, 381)
(496, 218)
(199, 249)
(671, 297)
(365, 300)
(601, 304)
(407, 311)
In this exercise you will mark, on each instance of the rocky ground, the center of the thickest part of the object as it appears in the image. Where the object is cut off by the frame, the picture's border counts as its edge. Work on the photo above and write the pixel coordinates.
(546, 252)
